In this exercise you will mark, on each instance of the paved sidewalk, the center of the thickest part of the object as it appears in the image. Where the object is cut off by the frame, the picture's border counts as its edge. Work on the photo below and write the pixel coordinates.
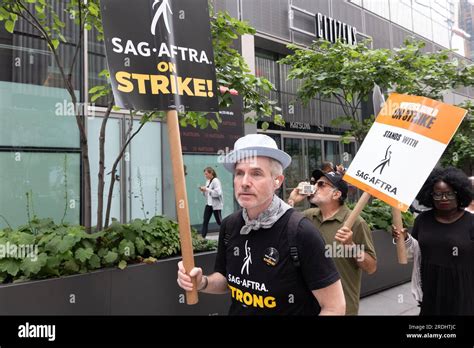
(394, 301)
(212, 235)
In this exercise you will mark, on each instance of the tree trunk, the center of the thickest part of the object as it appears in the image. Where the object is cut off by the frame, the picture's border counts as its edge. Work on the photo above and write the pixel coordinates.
(86, 170)
(101, 181)
(86, 180)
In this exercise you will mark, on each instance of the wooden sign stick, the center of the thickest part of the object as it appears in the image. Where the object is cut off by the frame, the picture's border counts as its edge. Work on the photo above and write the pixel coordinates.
(401, 249)
(357, 210)
(181, 200)
(396, 219)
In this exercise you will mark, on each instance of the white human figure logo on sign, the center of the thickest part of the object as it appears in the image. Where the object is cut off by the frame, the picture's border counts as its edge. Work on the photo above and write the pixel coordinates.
(161, 12)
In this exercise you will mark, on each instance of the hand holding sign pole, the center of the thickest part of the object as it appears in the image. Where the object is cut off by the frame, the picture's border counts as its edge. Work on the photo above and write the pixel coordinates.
(181, 200)
(363, 200)
(397, 221)
(154, 67)
(409, 132)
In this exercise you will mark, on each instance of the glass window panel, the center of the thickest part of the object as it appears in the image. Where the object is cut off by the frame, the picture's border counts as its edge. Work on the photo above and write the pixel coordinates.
(30, 61)
(347, 157)
(295, 172)
(422, 25)
(423, 6)
(112, 148)
(52, 180)
(195, 165)
(145, 172)
(314, 155)
(440, 17)
(401, 14)
(331, 152)
(441, 35)
(379, 7)
(348, 154)
(36, 116)
(288, 86)
(266, 68)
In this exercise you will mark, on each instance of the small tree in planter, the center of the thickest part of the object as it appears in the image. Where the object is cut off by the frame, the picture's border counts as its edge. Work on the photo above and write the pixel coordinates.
(348, 73)
(233, 75)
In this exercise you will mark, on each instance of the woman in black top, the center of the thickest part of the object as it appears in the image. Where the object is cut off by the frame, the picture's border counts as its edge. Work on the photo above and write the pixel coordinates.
(443, 241)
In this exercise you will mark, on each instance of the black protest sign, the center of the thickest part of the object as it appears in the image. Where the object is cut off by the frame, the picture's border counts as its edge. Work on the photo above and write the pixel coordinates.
(159, 54)
(212, 141)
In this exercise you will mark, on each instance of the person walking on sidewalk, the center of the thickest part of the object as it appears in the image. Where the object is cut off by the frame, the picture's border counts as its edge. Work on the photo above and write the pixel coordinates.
(351, 249)
(256, 258)
(214, 200)
(442, 245)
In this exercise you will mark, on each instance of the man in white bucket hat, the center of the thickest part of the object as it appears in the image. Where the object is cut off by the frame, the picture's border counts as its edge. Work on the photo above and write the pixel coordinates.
(269, 257)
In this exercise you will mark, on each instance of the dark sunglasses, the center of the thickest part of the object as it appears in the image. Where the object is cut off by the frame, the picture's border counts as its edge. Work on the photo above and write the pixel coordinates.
(321, 184)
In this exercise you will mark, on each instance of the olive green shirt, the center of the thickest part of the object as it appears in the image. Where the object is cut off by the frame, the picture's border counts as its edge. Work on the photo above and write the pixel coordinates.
(345, 258)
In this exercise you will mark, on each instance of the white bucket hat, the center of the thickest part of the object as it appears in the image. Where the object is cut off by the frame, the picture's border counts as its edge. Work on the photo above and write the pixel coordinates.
(253, 145)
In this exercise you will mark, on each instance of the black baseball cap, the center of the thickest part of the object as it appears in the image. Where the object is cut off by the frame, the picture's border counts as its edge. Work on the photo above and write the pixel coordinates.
(334, 178)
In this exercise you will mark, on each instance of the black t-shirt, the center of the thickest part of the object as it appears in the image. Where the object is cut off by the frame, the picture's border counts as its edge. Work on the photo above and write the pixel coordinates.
(445, 244)
(261, 275)
(447, 267)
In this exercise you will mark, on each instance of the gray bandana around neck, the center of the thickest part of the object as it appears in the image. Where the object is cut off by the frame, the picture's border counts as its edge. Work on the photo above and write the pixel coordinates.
(266, 219)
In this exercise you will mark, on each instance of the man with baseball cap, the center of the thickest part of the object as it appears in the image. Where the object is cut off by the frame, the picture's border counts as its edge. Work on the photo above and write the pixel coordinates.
(255, 260)
(352, 250)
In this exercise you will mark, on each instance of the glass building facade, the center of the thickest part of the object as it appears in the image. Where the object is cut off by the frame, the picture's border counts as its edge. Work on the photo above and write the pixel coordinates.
(40, 154)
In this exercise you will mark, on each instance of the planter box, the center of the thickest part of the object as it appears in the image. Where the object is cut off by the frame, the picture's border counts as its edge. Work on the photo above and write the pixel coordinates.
(140, 289)
(144, 289)
(389, 272)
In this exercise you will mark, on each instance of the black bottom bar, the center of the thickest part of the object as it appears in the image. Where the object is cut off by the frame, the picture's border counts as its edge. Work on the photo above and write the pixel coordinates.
(223, 330)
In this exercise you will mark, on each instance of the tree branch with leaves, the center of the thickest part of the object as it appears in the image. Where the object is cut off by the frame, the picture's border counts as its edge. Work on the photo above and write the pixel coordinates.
(348, 74)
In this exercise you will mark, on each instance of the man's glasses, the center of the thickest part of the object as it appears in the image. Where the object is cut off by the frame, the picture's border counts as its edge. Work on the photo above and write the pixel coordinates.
(321, 184)
(437, 196)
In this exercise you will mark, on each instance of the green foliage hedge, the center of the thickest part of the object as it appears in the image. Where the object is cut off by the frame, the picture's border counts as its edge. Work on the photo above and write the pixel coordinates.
(61, 250)
(378, 215)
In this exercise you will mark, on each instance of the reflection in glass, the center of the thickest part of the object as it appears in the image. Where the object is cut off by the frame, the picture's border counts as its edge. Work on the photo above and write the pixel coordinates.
(43, 185)
(36, 116)
(379, 7)
(331, 152)
(314, 155)
(195, 165)
(349, 151)
(145, 172)
(422, 25)
(295, 172)
(401, 13)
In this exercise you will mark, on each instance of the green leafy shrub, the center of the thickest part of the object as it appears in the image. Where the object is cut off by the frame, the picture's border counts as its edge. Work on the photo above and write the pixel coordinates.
(378, 215)
(45, 249)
